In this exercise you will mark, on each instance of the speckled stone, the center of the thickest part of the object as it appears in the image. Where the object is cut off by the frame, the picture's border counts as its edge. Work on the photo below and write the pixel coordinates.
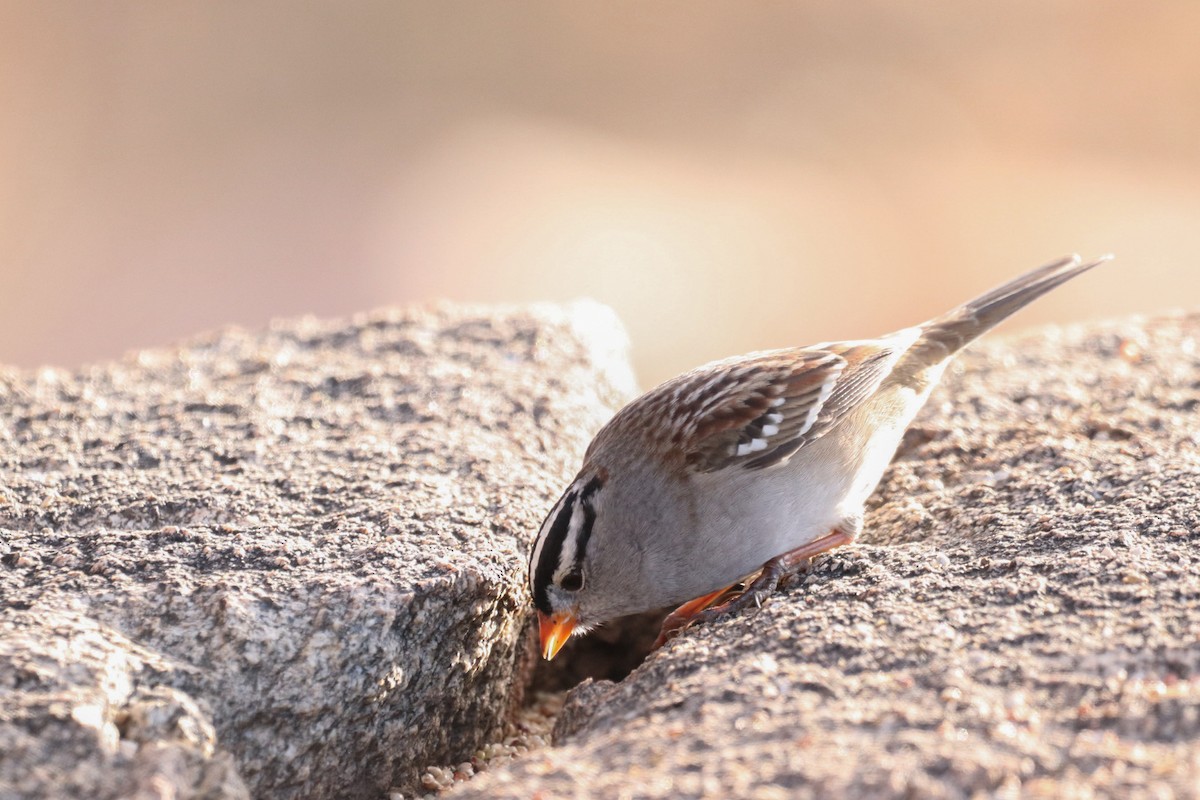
(306, 544)
(1022, 617)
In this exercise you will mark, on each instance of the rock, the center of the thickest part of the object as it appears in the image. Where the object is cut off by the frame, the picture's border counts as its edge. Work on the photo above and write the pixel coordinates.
(88, 713)
(289, 561)
(1023, 616)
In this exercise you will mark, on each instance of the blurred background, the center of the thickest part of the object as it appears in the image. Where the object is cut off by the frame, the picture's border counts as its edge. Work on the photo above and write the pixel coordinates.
(729, 176)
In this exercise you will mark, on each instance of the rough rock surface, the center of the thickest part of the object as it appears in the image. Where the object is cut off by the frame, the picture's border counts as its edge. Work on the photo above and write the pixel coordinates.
(288, 561)
(88, 713)
(1023, 616)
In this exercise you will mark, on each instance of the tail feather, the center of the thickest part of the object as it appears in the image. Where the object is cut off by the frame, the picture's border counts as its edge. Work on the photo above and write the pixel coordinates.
(945, 335)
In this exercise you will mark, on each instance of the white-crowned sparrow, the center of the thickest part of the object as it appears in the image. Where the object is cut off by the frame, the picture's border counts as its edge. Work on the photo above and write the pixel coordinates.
(758, 462)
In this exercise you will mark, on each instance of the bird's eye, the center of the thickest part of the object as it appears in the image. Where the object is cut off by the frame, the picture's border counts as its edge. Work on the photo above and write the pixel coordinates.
(573, 582)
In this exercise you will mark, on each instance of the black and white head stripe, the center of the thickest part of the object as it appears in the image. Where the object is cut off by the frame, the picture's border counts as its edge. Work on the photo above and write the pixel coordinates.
(562, 542)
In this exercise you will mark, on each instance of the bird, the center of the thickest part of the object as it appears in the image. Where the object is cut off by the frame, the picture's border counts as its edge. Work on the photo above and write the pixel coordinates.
(749, 465)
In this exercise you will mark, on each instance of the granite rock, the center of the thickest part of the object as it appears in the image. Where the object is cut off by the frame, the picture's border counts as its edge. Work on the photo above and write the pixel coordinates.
(1021, 617)
(289, 561)
(89, 713)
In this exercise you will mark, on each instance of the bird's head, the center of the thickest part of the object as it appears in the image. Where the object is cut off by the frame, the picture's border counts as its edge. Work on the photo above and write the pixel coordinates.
(596, 558)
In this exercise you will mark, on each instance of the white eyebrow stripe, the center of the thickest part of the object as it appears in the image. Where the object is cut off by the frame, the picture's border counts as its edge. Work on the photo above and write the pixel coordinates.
(536, 557)
(568, 555)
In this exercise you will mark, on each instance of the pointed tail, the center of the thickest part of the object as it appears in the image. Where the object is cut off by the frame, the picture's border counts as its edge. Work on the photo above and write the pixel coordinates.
(945, 335)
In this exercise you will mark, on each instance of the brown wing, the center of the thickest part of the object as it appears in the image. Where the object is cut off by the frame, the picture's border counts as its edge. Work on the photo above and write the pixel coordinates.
(763, 411)
(754, 411)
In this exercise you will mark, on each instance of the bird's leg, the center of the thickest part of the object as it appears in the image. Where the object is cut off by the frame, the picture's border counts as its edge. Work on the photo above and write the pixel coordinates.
(679, 619)
(777, 569)
(768, 579)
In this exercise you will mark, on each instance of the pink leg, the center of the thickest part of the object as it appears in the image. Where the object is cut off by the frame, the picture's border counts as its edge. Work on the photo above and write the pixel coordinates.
(681, 617)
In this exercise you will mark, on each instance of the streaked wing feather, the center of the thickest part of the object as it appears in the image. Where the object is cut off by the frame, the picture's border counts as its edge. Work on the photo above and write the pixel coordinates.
(794, 398)
(765, 399)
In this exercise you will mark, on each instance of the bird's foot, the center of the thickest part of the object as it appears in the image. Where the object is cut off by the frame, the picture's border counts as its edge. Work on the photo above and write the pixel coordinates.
(681, 617)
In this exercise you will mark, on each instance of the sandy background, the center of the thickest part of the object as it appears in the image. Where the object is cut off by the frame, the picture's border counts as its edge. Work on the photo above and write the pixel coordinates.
(728, 176)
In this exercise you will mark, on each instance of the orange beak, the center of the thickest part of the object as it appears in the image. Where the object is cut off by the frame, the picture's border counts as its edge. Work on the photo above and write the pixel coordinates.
(555, 630)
